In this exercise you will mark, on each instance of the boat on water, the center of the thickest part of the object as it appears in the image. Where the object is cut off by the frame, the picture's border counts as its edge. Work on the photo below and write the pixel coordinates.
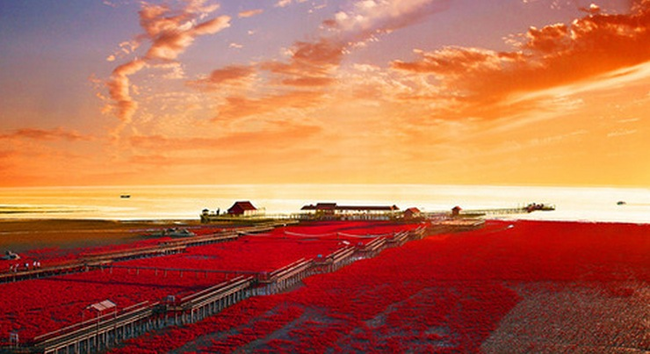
(125, 196)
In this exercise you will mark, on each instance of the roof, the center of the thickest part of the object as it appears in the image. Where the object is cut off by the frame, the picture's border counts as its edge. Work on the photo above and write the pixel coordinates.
(369, 208)
(244, 205)
(333, 206)
(326, 206)
(104, 305)
(319, 206)
(413, 210)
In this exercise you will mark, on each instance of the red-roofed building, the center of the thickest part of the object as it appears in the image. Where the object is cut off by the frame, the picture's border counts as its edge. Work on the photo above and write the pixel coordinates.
(412, 213)
(243, 208)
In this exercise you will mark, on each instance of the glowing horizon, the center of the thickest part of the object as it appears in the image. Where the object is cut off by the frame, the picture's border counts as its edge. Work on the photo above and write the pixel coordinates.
(293, 91)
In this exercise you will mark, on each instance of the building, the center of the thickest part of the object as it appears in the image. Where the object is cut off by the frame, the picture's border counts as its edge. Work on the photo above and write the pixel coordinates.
(332, 211)
(455, 211)
(243, 208)
(412, 213)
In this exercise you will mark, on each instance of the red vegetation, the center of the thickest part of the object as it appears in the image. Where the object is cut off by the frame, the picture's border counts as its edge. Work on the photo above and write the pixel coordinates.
(270, 251)
(446, 293)
(34, 307)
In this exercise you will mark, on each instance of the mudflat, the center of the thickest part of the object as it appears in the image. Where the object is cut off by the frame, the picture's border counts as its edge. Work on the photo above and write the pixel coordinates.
(20, 234)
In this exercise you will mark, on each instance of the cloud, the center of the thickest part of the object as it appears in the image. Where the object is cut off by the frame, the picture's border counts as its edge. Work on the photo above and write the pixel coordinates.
(478, 80)
(237, 107)
(250, 13)
(46, 135)
(231, 73)
(311, 67)
(110, 3)
(119, 87)
(592, 9)
(171, 32)
(231, 76)
(285, 3)
(300, 82)
(125, 49)
(310, 62)
(368, 18)
(309, 81)
(278, 135)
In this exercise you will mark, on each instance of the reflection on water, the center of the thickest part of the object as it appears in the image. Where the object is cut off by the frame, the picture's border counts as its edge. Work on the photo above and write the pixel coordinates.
(186, 202)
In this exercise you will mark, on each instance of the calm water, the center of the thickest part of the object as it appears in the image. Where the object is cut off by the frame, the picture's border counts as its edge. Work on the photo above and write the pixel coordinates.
(186, 202)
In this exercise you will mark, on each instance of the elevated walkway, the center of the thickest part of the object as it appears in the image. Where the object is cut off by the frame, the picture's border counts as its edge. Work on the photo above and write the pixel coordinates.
(102, 332)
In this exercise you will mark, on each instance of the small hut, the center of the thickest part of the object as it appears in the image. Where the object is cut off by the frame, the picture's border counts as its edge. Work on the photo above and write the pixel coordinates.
(412, 213)
(100, 308)
(242, 208)
(455, 211)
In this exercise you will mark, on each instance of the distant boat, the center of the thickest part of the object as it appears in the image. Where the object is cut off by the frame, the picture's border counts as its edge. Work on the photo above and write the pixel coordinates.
(125, 196)
(621, 202)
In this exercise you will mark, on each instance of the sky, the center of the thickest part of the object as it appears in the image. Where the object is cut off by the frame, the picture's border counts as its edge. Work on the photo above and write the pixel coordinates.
(493, 92)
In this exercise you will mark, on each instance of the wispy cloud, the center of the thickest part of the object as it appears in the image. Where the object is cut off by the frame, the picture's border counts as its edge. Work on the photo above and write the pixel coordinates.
(234, 75)
(170, 31)
(250, 13)
(368, 18)
(46, 134)
(480, 80)
(119, 90)
(285, 3)
(312, 65)
(237, 107)
(274, 136)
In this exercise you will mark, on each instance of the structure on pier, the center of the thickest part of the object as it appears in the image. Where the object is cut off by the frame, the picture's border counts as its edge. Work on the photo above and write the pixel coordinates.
(240, 211)
(333, 211)
(243, 208)
(412, 214)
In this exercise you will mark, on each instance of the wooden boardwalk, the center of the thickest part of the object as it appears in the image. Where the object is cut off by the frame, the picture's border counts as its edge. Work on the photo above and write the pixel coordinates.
(92, 260)
(98, 334)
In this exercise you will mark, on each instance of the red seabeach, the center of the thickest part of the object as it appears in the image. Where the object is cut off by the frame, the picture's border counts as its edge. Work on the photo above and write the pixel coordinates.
(511, 286)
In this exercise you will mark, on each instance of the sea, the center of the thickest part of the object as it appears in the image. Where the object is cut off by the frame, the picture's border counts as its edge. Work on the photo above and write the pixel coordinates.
(186, 202)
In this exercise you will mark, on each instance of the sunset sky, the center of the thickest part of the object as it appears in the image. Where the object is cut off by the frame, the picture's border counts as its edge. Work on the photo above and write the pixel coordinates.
(521, 92)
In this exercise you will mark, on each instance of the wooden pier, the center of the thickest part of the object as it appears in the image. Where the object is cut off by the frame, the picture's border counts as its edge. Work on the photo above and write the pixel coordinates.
(93, 260)
(99, 333)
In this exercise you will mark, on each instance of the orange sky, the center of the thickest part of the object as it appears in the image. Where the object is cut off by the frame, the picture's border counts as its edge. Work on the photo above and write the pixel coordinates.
(409, 91)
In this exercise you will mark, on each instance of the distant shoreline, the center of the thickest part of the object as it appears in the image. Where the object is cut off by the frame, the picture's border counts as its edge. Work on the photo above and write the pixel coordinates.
(23, 234)
(26, 234)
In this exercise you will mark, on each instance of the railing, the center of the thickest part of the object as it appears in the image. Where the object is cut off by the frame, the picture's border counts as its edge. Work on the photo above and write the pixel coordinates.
(90, 330)
(101, 332)
(89, 260)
